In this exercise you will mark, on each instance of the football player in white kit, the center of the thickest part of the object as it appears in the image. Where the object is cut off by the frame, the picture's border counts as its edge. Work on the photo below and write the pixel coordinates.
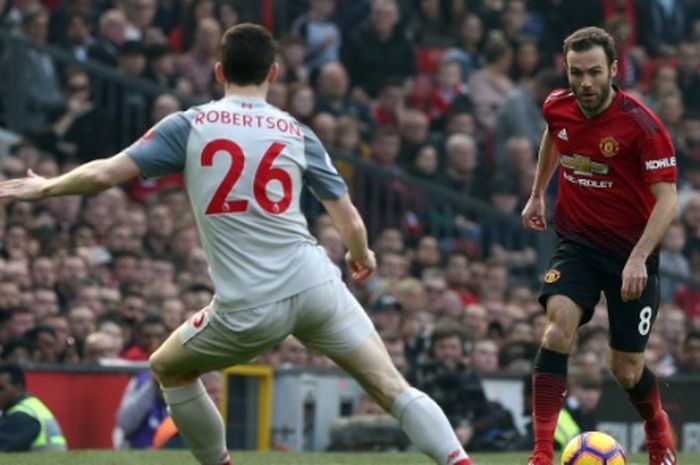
(244, 163)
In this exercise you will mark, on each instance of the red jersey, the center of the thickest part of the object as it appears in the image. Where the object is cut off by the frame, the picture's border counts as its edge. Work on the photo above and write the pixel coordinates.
(607, 164)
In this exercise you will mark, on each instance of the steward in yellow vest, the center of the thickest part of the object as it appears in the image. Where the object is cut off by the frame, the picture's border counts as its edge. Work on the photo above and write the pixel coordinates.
(26, 423)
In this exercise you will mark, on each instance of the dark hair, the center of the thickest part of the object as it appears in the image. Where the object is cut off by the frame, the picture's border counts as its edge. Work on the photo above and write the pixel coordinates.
(15, 372)
(589, 37)
(247, 52)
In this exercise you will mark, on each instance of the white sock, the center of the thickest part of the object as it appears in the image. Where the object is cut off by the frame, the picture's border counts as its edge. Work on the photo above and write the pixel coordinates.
(198, 422)
(427, 426)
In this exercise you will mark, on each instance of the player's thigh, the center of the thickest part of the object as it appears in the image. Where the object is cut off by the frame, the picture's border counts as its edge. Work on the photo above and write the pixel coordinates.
(172, 363)
(572, 276)
(214, 340)
(631, 322)
(329, 320)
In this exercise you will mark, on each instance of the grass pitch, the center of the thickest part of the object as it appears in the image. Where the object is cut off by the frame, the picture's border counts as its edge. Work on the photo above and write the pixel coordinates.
(108, 457)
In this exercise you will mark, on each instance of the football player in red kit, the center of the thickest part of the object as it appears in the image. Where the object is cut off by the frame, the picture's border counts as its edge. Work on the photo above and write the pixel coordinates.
(617, 196)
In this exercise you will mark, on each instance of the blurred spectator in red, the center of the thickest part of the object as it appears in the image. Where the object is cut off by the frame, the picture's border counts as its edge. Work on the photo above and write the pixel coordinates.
(449, 86)
(390, 103)
(148, 334)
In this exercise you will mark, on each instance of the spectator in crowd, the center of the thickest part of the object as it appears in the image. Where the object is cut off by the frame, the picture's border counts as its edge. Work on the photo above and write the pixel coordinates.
(321, 36)
(458, 390)
(468, 49)
(332, 95)
(76, 36)
(32, 71)
(483, 357)
(82, 132)
(139, 17)
(662, 26)
(181, 36)
(378, 49)
(489, 86)
(673, 262)
(27, 424)
(521, 113)
(148, 335)
(691, 360)
(112, 34)
(141, 410)
(197, 63)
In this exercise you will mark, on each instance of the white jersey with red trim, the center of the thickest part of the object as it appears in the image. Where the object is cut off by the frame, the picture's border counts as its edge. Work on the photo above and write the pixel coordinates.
(244, 164)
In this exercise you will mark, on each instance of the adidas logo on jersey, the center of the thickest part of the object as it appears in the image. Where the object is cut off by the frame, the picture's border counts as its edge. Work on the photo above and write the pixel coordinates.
(562, 134)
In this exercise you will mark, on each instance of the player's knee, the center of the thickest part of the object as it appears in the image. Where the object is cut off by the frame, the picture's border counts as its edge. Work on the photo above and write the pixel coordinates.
(626, 371)
(627, 374)
(160, 367)
(559, 336)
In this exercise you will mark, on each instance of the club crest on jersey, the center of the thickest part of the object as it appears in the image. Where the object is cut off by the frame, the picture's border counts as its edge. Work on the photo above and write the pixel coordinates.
(552, 275)
(609, 146)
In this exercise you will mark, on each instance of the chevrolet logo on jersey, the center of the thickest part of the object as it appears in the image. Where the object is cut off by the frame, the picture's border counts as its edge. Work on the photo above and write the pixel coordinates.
(584, 165)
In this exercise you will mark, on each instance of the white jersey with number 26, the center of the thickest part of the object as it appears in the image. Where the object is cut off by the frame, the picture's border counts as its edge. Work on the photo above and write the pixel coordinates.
(244, 162)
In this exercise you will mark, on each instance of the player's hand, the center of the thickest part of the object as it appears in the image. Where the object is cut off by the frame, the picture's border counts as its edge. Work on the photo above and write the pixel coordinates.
(634, 279)
(29, 188)
(363, 268)
(533, 214)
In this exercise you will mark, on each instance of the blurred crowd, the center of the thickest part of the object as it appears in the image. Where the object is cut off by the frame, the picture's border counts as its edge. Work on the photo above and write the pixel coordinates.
(445, 91)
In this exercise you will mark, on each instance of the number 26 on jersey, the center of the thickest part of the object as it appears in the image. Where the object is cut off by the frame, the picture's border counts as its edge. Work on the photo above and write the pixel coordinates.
(264, 173)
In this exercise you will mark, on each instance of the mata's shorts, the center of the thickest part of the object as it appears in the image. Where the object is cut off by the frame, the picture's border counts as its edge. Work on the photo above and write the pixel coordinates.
(581, 273)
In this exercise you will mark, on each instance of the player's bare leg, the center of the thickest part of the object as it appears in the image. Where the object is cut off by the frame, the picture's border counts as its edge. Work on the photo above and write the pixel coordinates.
(550, 371)
(420, 417)
(197, 418)
(641, 386)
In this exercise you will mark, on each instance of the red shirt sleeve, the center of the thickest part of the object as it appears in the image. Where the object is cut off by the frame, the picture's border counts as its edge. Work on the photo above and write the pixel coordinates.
(657, 157)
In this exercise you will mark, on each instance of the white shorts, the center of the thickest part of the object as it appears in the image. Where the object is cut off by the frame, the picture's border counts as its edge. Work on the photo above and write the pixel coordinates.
(326, 318)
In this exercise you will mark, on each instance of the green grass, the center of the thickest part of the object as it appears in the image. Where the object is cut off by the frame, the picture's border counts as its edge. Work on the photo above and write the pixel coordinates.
(102, 457)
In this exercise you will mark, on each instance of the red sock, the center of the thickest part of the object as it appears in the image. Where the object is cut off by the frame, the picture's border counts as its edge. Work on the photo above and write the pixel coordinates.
(548, 393)
(645, 396)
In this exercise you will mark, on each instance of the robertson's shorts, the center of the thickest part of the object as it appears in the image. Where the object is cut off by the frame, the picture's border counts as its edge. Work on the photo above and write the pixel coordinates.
(326, 318)
(581, 273)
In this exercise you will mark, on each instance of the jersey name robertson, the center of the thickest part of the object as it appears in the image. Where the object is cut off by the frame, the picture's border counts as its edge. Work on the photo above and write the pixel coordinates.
(606, 166)
(244, 164)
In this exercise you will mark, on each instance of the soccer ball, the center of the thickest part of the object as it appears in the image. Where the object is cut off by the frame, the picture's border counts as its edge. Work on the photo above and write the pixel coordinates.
(593, 448)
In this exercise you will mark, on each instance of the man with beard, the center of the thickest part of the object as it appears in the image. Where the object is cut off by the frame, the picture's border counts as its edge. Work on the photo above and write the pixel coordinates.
(617, 196)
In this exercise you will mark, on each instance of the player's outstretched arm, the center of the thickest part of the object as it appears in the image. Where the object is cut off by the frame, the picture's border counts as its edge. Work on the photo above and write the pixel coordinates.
(92, 177)
(634, 275)
(352, 231)
(533, 215)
